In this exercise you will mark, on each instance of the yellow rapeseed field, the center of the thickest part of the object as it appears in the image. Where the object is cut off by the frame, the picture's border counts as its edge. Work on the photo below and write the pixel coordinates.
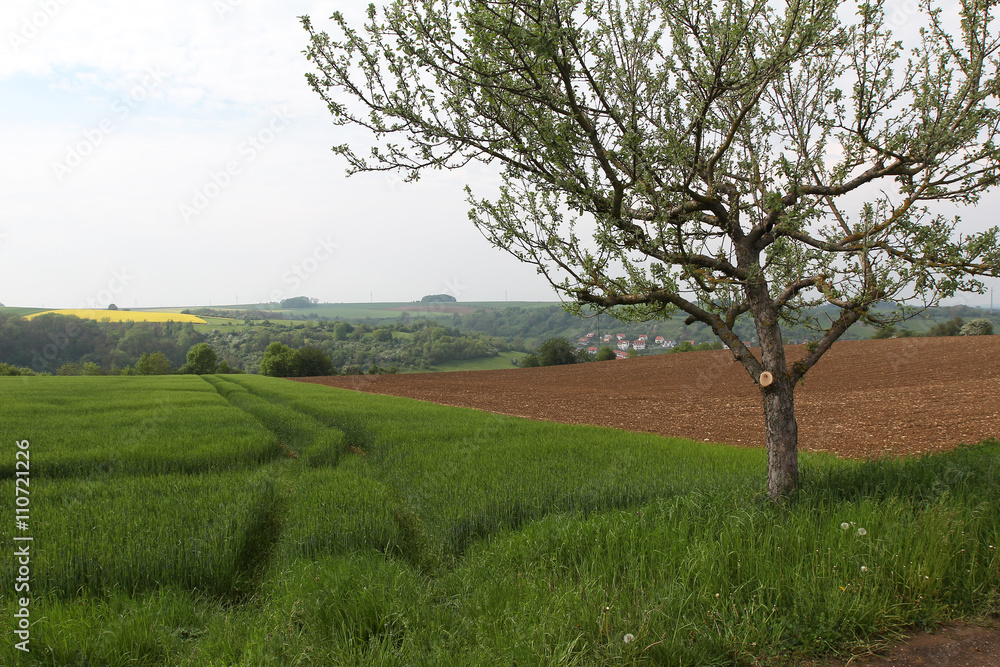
(122, 315)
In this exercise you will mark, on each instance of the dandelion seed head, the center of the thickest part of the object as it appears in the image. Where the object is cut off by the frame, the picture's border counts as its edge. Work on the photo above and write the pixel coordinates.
(862, 532)
(864, 568)
(629, 638)
(845, 526)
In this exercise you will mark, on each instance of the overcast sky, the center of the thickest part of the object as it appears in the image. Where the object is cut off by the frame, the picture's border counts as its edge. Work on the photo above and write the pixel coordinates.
(169, 152)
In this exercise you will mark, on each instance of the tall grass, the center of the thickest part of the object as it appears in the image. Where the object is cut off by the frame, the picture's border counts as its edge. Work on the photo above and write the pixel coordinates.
(135, 534)
(423, 534)
(466, 474)
(81, 426)
(708, 579)
(340, 510)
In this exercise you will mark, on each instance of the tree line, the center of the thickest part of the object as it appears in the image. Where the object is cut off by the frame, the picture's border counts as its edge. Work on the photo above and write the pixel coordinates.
(68, 345)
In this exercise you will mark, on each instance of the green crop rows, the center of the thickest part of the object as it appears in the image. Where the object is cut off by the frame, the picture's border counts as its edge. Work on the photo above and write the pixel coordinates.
(241, 520)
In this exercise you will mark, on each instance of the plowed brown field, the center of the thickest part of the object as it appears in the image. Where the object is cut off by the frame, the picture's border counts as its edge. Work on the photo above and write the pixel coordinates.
(864, 398)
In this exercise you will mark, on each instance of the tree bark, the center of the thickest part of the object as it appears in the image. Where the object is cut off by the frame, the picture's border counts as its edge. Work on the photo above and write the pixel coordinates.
(782, 438)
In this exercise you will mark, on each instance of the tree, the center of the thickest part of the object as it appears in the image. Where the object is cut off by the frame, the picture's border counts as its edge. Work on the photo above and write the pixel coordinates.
(530, 360)
(438, 298)
(201, 360)
(605, 354)
(341, 330)
(298, 302)
(155, 363)
(980, 327)
(556, 352)
(312, 361)
(112, 306)
(950, 328)
(279, 361)
(685, 155)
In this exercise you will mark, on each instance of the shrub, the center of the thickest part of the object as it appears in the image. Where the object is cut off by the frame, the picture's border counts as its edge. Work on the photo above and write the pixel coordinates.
(90, 368)
(978, 327)
(950, 328)
(312, 361)
(8, 369)
(156, 363)
(226, 369)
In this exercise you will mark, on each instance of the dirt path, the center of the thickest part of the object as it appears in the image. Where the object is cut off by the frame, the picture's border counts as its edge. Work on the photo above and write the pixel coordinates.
(864, 398)
(958, 645)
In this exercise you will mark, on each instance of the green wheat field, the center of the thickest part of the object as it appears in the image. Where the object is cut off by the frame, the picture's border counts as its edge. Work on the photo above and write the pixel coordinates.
(242, 520)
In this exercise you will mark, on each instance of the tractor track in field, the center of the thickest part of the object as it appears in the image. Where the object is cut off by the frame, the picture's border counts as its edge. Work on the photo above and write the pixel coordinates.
(864, 398)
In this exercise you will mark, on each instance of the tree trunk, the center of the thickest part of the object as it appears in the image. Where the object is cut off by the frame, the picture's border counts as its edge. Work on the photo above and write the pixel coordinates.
(782, 438)
(777, 389)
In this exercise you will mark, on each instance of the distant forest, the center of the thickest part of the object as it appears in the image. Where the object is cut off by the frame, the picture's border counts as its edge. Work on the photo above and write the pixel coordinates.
(402, 343)
(48, 342)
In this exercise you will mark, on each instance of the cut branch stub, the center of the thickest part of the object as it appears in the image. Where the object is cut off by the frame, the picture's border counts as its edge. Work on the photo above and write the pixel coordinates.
(766, 379)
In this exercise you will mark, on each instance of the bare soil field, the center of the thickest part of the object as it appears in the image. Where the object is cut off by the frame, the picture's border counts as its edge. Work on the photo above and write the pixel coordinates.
(864, 398)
